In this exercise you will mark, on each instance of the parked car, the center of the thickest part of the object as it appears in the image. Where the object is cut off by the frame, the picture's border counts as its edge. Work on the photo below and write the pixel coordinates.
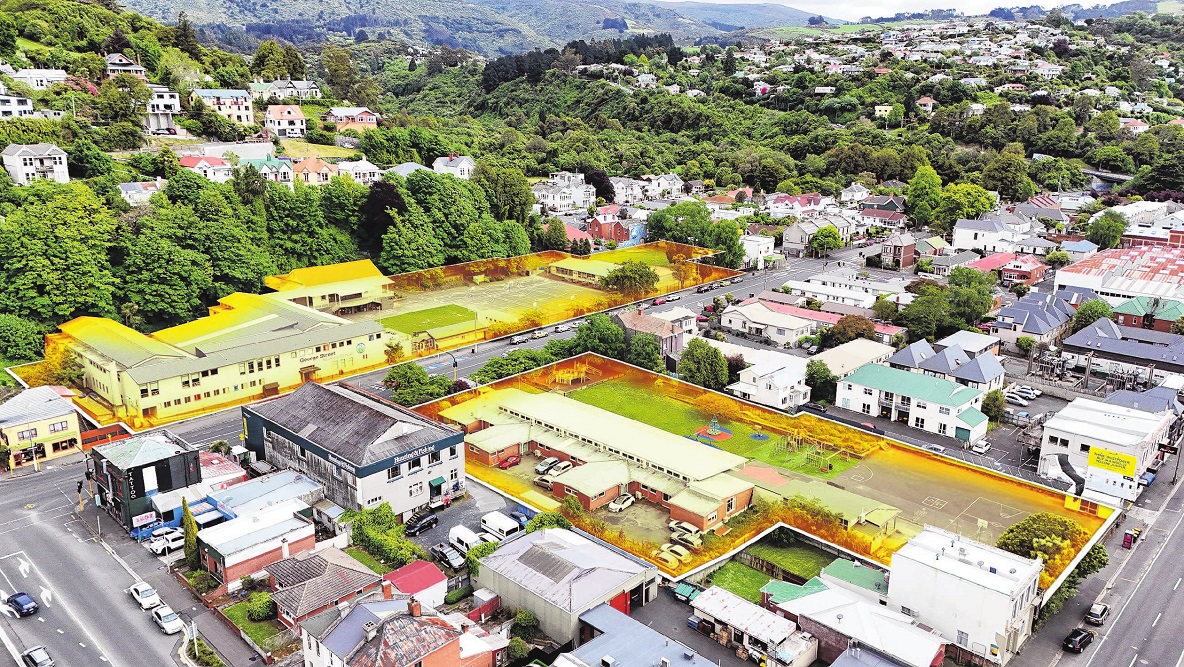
(539, 333)
(1025, 394)
(737, 280)
(702, 288)
(37, 657)
(488, 537)
(544, 481)
(1031, 389)
(817, 407)
(164, 531)
(22, 603)
(674, 297)
(871, 427)
(143, 593)
(510, 462)
(659, 302)
(813, 350)
(420, 522)
(521, 518)
(563, 328)
(1078, 639)
(665, 559)
(621, 502)
(981, 447)
(545, 465)
(682, 527)
(167, 620)
(936, 449)
(693, 541)
(1097, 614)
(678, 552)
(518, 340)
(560, 468)
(1015, 399)
(447, 555)
(163, 545)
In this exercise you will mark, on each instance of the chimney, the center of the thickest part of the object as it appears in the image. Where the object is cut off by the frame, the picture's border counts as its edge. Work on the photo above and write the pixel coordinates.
(371, 629)
(414, 608)
(387, 589)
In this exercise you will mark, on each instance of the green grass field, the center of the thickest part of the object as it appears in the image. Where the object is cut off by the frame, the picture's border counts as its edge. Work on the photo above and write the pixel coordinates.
(430, 318)
(299, 148)
(741, 580)
(802, 560)
(366, 559)
(651, 256)
(258, 632)
(651, 407)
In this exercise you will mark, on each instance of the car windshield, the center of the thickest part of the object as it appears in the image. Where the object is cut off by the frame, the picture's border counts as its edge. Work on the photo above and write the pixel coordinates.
(169, 617)
(147, 592)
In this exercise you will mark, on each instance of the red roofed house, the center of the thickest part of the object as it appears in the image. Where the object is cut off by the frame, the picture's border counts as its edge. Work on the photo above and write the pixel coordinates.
(1176, 121)
(821, 320)
(575, 234)
(1027, 269)
(421, 579)
(1136, 126)
(993, 262)
(926, 104)
(214, 168)
(671, 336)
(314, 171)
(608, 227)
(219, 471)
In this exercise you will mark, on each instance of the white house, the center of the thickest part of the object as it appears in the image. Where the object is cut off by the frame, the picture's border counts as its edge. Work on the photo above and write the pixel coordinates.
(233, 105)
(299, 89)
(854, 193)
(138, 194)
(919, 400)
(39, 79)
(977, 596)
(665, 185)
(164, 105)
(774, 379)
(832, 293)
(460, 166)
(756, 248)
(795, 239)
(285, 121)
(214, 168)
(756, 319)
(991, 235)
(12, 106)
(564, 192)
(26, 163)
(362, 171)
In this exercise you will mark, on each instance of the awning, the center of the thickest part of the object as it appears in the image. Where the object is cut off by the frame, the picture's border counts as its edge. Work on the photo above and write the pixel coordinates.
(208, 517)
(439, 481)
(310, 369)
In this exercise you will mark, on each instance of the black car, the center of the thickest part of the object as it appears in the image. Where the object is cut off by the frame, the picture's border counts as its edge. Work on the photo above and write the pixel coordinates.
(816, 407)
(521, 518)
(23, 604)
(1078, 639)
(421, 522)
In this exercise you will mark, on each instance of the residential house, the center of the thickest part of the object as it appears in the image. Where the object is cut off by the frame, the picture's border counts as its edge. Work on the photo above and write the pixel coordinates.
(756, 249)
(606, 226)
(1035, 245)
(874, 217)
(245, 545)
(931, 246)
(559, 575)
(1148, 313)
(665, 185)
(285, 121)
(352, 118)
(363, 451)
(755, 318)
(628, 190)
(313, 171)
(12, 106)
(822, 319)
(972, 343)
(422, 580)
(1079, 250)
(683, 320)
(926, 104)
(26, 163)
(117, 64)
(460, 166)
(943, 265)
(748, 627)
(286, 89)
(988, 234)
(39, 424)
(362, 171)
(138, 194)
(213, 168)
(834, 293)
(891, 203)
(232, 104)
(273, 169)
(1026, 269)
(898, 250)
(671, 337)
(883, 110)
(564, 192)
(993, 262)
(38, 78)
(795, 239)
(919, 400)
(844, 359)
(987, 609)
(308, 583)
(950, 362)
(1042, 317)
(773, 379)
(854, 194)
(129, 472)
(164, 106)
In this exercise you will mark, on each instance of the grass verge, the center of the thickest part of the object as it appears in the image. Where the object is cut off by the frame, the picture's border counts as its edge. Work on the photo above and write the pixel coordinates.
(800, 559)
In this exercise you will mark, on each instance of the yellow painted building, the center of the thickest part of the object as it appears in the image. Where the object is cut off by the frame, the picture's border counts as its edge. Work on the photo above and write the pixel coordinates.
(39, 424)
(341, 289)
(249, 347)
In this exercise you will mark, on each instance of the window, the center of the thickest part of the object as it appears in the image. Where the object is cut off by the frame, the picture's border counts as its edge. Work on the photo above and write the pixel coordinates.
(415, 489)
(963, 639)
(58, 427)
(941, 428)
(415, 464)
(921, 405)
(1084, 448)
(433, 458)
(301, 453)
(27, 434)
(867, 391)
(919, 422)
(731, 504)
(452, 452)
(393, 473)
(907, 612)
(454, 475)
(943, 411)
(866, 409)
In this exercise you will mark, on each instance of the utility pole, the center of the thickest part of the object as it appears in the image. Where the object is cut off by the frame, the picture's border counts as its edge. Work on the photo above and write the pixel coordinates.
(80, 496)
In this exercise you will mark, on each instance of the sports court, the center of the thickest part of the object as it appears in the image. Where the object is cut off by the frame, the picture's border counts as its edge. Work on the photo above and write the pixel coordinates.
(431, 318)
(502, 301)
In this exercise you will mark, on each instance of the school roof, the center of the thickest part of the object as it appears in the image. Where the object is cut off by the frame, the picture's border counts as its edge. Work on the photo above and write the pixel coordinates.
(142, 450)
(594, 267)
(34, 405)
(915, 385)
(563, 568)
(324, 275)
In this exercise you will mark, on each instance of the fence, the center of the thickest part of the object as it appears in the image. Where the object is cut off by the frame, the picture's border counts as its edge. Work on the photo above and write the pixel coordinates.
(478, 614)
(459, 581)
(771, 569)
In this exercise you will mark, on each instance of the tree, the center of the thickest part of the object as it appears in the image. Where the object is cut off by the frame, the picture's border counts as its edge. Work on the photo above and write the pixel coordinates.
(924, 315)
(1025, 344)
(513, 363)
(260, 607)
(824, 240)
(994, 405)
(517, 649)
(220, 447)
(164, 280)
(340, 72)
(547, 520)
(409, 244)
(1007, 174)
(598, 334)
(123, 99)
(729, 64)
(633, 278)
(1057, 258)
(847, 329)
(645, 350)
(8, 35)
(1088, 313)
(703, 365)
(20, 339)
(507, 190)
(960, 200)
(473, 556)
(924, 195)
(822, 382)
(185, 37)
(1178, 326)
(86, 160)
(189, 526)
(555, 236)
(885, 309)
(1106, 230)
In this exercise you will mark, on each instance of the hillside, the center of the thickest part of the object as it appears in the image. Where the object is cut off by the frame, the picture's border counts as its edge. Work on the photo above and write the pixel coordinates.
(567, 20)
(728, 17)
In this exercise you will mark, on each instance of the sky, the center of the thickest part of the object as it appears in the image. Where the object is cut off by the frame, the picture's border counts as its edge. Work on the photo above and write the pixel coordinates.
(853, 10)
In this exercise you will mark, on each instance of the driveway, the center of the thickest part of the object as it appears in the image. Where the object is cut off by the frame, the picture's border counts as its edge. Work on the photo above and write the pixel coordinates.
(468, 513)
(669, 616)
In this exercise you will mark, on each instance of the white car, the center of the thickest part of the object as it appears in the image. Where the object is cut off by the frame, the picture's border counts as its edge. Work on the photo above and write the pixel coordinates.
(674, 297)
(560, 468)
(683, 527)
(166, 543)
(678, 552)
(1015, 399)
(167, 620)
(143, 593)
(664, 558)
(620, 502)
(981, 447)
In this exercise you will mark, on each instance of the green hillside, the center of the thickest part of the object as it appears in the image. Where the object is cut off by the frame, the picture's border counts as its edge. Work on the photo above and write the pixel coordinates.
(730, 17)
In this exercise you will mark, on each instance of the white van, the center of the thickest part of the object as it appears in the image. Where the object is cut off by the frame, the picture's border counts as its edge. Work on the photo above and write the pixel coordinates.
(463, 539)
(500, 525)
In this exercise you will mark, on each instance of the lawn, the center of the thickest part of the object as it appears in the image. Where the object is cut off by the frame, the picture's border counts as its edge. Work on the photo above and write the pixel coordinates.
(258, 632)
(741, 580)
(430, 318)
(804, 561)
(653, 408)
(366, 559)
(299, 148)
(652, 256)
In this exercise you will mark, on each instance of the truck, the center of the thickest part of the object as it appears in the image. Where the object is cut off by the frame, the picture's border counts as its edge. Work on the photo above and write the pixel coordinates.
(500, 525)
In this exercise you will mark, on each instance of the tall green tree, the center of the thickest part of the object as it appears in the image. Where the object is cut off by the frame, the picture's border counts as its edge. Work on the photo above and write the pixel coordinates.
(189, 527)
(123, 99)
(20, 339)
(164, 280)
(1088, 313)
(960, 200)
(555, 236)
(507, 190)
(924, 195)
(632, 278)
(340, 72)
(821, 381)
(703, 365)
(1107, 229)
(646, 351)
(1007, 174)
(824, 240)
(410, 245)
(600, 335)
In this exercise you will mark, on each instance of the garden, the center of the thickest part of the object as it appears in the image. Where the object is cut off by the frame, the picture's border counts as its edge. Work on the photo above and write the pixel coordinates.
(741, 580)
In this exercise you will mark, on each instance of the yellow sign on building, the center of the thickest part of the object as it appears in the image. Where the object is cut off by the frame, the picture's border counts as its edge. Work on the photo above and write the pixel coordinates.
(1116, 462)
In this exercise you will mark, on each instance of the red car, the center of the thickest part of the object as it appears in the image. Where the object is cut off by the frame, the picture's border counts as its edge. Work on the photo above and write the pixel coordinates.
(510, 462)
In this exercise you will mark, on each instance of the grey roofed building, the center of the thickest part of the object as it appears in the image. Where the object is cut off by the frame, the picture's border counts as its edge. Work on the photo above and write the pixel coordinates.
(41, 149)
(628, 642)
(951, 362)
(404, 639)
(912, 356)
(846, 309)
(1037, 314)
(984, 368)
(861, 656)
(981, 225)
(345, 634)
(33, 405)
(960, 259)
(945, 362)
(405, 169)
(1157, 399)
(1075, 296)
(1135, 346)
(309, 581)
(1034, 211)
(349, 425)
(142, 450)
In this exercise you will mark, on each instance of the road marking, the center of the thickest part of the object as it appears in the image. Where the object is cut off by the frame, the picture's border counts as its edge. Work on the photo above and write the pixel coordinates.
(1133, 660)
(1156, 621)
(1177, 583)
(1181, 660)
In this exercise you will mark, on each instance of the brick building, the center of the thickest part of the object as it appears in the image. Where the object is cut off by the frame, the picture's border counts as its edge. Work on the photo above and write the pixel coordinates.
(308, 583)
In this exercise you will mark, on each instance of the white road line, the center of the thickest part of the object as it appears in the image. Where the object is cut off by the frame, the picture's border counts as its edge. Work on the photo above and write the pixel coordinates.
(1177, 583)
(1133, 659)
(16, 657)
(1181, 660)
(1156, 621)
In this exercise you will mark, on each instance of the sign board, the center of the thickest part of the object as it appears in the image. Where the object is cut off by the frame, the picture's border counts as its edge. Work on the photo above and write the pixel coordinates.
(1170, 449)
(1115, 462)
(143, 519)
(1112, 473)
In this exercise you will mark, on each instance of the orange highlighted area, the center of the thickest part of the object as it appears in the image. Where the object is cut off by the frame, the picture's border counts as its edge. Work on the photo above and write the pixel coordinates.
(729, 468)
(324, 323)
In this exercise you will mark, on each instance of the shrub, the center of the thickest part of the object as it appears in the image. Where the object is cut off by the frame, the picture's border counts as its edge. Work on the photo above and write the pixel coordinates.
(517, 650)
(203, 654)
(457, 595)
(526, 624)
(260, 607)
(202, 581)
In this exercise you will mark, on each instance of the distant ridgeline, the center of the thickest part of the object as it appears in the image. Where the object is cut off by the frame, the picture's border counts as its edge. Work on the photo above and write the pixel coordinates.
(534, 64)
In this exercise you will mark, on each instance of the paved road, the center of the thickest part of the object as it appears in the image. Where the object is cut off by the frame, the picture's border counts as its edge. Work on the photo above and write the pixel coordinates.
(86, 616)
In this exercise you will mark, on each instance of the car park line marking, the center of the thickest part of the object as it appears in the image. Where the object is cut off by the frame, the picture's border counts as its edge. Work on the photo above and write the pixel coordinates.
(1177, 583)
(1133, 660)
(16, 657)
(1156, 621)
